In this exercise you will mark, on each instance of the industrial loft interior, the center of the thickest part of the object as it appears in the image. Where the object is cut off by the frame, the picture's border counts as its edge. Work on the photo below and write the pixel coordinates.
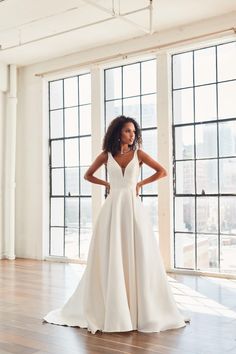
(68, 69)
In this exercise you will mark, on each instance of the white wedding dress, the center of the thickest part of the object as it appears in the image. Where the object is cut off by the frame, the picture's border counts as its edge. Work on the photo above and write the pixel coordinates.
(124, 286)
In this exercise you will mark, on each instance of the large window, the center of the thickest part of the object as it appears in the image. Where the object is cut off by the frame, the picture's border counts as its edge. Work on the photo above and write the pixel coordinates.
(131, 90)
(204, 140)
(70, 155)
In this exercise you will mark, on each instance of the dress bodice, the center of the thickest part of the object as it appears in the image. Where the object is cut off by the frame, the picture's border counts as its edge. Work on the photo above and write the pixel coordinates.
(123, 179)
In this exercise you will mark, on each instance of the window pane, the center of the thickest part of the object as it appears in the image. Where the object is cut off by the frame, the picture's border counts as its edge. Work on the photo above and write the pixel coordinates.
(85, 237)
(227, 254)
(85, 120)
(131, 80)
(184, 251)
(226, 97)
(131, 108)
(56, 94)
(57, 241)
(71, 91)
(72, 212)
(226, 61)
(71, 243)
(85, 148)
(183, 70)
(148, 72)
(86, 213)
(228, 175)
(56, 124)
(228, 215)
(184, 214)
(57, 211)
(207, 214)
(184, 142)
(150, 188)
(71, 121)
(71, 152)
(113, 109)
(227, 138)
(207, 181)
(58, 181)
(185, 177)
(150, 142)
(57, 159)
(183, 106)
(206, 141)
(205, 103)
(85, 186)
(149, 112)
(207, 252)
(205, 66)
(113, 83)
(72, 181)
(85, 89)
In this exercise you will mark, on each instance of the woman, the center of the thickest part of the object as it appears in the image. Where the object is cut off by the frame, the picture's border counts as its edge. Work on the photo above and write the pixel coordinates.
(124, 286)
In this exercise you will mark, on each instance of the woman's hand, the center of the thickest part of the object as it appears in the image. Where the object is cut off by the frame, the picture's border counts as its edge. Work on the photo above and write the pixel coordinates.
(138, 186)
(108, 187)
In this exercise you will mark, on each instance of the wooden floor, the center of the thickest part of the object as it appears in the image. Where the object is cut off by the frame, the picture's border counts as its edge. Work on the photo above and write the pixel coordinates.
(29, 289)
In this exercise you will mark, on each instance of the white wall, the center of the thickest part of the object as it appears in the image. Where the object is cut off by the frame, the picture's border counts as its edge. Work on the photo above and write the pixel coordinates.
(31, 154)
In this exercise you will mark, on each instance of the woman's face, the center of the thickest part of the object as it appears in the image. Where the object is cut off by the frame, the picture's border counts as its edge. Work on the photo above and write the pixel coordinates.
(128, 133)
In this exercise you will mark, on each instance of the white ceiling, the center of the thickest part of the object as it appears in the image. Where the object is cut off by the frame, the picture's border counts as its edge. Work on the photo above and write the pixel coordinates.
(34, 31)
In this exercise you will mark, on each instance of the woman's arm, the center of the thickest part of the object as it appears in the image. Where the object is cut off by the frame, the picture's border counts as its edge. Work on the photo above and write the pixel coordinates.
(148, 160)
(98, 162)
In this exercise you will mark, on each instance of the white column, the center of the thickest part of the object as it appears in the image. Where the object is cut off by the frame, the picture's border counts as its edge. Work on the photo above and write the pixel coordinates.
(165, 196)
(97, 117)
(9, 165)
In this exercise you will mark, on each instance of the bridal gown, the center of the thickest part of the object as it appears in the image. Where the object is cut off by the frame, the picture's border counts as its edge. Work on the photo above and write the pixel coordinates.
(124, 286)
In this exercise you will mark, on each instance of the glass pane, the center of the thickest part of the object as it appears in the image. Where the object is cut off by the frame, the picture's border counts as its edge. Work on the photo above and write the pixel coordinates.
(85, 89)
(151, 204)
(150, 142)
(226, 61)
(113, 109)
(228, 176)
(228, 215)
(86, 213)
(72, 243)
(131, 108)
(205, 103)
(57, 241)
(226, 99)
(227, 138)
(85, 151)
(57, 153)
(185, 177)
(227, 254)
(85, 186)
(72, 212)
(85, 120)
(131, 80)
(150, 188)
(183, 70)
(207, 214)
(206, 141)
(57, 211)
(148, 76)
(183, 106)
(56, 94)
(72, 181)
(207, 177)
(71, 152)
(149, 112)
(71, 122)
(113, 83)
(184, 251)
(58, 181)
(184, 214)
(207, 252)
(184, 141)
(71, 91)
(205, 65)
(56, 124)
(85, 238)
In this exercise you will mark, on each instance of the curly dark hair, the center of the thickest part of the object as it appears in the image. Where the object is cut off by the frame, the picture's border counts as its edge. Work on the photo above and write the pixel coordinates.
(113, 133)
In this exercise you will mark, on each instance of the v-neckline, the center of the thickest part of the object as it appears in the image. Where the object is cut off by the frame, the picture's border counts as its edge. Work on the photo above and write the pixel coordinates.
(123, 174)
